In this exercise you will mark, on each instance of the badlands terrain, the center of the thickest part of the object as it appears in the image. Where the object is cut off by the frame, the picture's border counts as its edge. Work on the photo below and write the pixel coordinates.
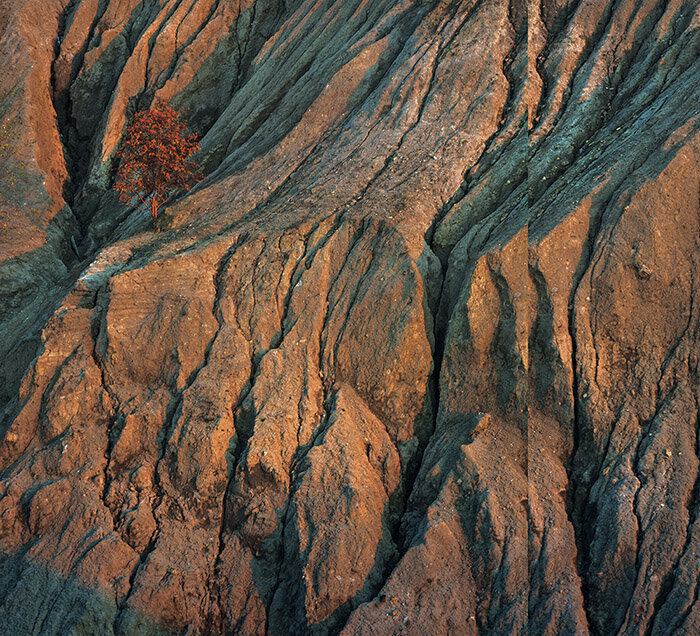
(419, 354)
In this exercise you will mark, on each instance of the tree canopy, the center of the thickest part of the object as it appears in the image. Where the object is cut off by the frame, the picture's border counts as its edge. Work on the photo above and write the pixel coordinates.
(155, 158)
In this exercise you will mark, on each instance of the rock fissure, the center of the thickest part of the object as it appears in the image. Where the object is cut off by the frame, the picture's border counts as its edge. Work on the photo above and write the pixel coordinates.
(179, 50)
(489, 155)
(357, 235)
(246, 41)
(123, 602)
(654, 19)
(75, 145)
(294, 483)
(641, 482)
(357, 284)
(242, 437)
(539, 106)
(591, 44)
(693, 515)
(97, 320)
(682, 618)
(396, 150)
(577, 520)
(48, 615)
(166, 22)
(671, 577)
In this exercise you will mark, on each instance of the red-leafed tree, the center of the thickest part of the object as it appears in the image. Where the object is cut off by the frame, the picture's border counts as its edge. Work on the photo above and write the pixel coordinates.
(155, 158)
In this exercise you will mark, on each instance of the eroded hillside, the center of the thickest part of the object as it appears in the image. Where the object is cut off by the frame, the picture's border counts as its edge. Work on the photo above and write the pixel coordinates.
(418, 355)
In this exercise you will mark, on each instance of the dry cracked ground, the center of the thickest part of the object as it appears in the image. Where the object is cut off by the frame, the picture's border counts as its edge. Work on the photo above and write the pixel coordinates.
(420, 354)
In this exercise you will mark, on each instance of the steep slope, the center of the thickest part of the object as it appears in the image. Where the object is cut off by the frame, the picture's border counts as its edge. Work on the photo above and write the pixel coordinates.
(613, 425)
(417, 356)
(35, 222)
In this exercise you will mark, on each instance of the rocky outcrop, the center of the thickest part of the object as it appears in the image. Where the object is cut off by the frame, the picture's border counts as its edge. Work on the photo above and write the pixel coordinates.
(416, 356)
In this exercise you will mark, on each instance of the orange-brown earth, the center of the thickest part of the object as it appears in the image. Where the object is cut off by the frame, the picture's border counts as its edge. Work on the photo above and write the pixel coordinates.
(418, 356)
